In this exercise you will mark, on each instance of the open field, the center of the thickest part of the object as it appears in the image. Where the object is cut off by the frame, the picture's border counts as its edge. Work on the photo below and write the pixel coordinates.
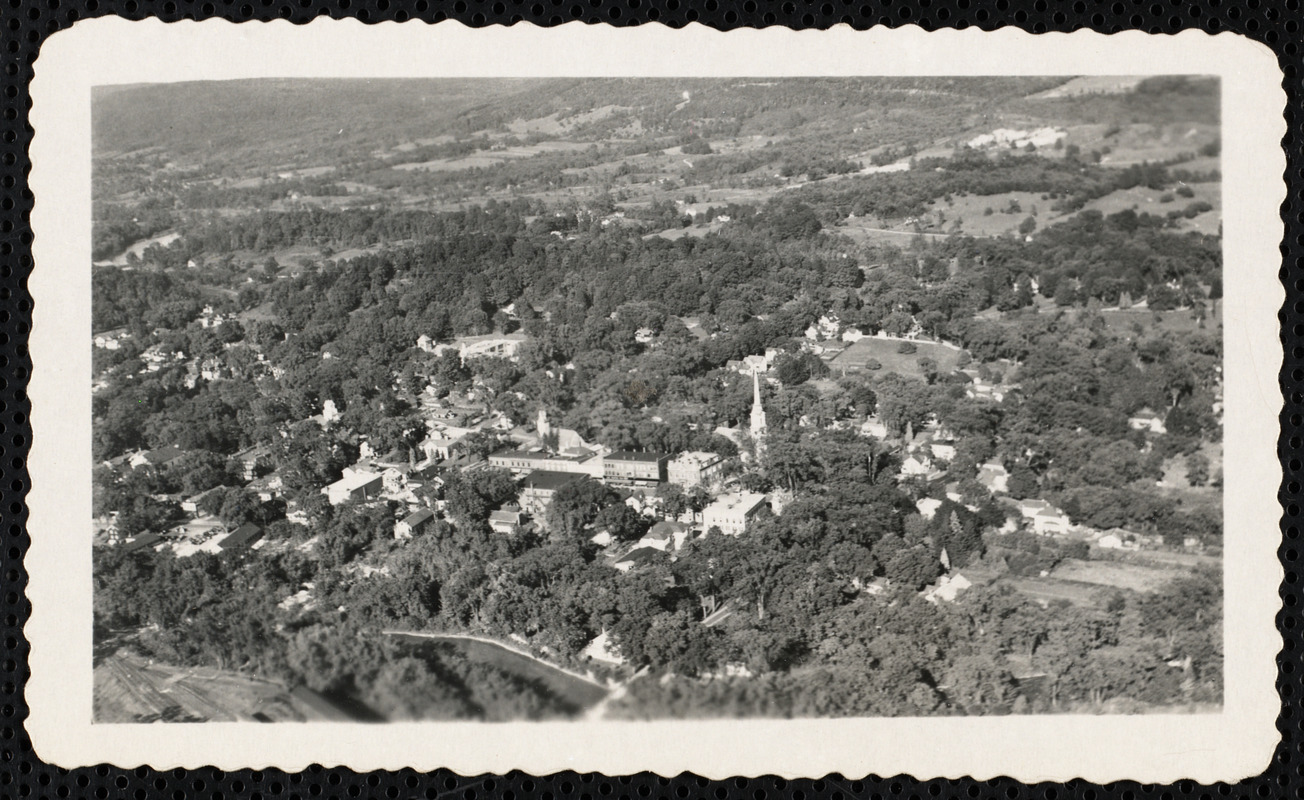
(489, 158)
(1115, 574)
(971, 211)
(130, 689)
(1179, 321)
(885, 351)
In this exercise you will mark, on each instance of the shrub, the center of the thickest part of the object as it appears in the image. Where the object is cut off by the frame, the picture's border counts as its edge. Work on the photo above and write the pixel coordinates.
(1166, 198)
(907, 348)
(873, 364)
(1185, 191)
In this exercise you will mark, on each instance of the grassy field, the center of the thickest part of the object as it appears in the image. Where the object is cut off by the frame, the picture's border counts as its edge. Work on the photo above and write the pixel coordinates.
(885, 351)
(1115, 574)
(970, 210)
(1179, 322)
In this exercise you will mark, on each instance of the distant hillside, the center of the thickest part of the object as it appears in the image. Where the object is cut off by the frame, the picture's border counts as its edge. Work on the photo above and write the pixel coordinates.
(261, 121)
(281, 116)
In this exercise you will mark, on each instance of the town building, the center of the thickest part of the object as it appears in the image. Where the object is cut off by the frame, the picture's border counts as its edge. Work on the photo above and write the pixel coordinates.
(437, 447)
(694, 468)
(578, 461)
(355, 486)
(500, 345)
(241, 538)
(413, 523)
(733, 513)
(626, 468)
(505, 520)
(539, 487)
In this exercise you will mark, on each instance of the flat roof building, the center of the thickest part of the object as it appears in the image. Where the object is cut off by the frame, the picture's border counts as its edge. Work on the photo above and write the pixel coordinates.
(626, 468)
(733, 513)
(694, 468)
(355, 486)
(241, 537)
(539, 487)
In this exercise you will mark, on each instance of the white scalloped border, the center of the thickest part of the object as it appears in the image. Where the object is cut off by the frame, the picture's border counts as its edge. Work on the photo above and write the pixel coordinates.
(1152, 749)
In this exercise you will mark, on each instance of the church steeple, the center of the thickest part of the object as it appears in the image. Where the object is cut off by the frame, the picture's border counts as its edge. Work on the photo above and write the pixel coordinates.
(758, 411)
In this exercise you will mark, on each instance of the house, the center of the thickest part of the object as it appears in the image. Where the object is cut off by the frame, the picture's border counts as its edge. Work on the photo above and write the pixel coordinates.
(268, 487)
(413, 523)
(916, 464)
(250, 461)
(443, 449)
(157, 458)
(666, 536)
(295, 512)
(873, 427)
(732, 513)
(424, 342)
(638, 557)
(947, 588)
(603, 650)
(500, 345)
(111, 340)
(241, 538)
(928, 506)
(1118, 539)
(945, 452)
(1147, 420)
(505, 520)
(994, 476)
(1043, 517)
(694, 468)
(191, 504)
(539, 487)
(356, 485)
(626, 468)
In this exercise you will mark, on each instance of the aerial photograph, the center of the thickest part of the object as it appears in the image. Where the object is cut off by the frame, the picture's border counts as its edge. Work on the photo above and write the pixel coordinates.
(590, 399)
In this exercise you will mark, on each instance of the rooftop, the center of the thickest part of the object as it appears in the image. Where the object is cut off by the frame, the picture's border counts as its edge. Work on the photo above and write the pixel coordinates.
(356, 480)
(549, 480)
(418, 517)
(742, 501)
(629, 455)
(242, 536)
(641, 555)
(697, 457)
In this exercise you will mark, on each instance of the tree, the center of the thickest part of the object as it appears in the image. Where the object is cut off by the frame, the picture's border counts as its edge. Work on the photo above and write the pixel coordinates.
(1197, 469)
(622, 522)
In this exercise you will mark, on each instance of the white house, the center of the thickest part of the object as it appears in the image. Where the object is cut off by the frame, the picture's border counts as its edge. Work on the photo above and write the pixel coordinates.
(355, 485)
(413, 523)
(947, 588)
(1147, 420)
(928, 507)
(994, 476)
(1044, 518)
